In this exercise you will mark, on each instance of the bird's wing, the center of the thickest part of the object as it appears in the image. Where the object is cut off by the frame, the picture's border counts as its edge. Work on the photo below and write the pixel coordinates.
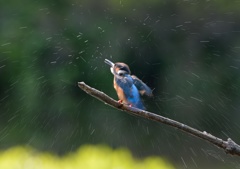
(142, 87)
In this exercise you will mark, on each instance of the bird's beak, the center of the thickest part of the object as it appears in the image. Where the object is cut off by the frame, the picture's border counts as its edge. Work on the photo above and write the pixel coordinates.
(109, 62)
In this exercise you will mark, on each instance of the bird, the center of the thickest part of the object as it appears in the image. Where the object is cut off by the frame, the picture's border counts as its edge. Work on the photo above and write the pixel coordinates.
(128, 87)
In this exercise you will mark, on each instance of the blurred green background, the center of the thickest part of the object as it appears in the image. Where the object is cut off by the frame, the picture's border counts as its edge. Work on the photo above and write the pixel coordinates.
(186, 50)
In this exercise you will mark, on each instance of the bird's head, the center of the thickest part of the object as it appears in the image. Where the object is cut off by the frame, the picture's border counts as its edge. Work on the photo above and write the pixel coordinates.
(120, 69)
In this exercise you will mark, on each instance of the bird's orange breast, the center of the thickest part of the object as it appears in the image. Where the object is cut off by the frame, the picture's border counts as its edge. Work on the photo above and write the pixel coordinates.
(120, 92)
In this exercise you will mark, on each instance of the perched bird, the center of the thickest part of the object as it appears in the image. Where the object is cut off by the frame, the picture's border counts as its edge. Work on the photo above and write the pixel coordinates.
(127, 86)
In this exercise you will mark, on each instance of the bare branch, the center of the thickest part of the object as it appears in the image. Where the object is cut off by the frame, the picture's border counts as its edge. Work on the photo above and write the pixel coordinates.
(229, 146)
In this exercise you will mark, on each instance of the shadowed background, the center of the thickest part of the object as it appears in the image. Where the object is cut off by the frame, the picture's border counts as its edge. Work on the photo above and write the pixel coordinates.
(187, 51)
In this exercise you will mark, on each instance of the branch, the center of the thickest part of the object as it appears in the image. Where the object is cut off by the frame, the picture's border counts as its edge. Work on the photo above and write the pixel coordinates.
(229, 146)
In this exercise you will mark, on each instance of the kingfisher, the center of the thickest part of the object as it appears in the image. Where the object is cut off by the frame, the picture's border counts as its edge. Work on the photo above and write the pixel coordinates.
(128, 87)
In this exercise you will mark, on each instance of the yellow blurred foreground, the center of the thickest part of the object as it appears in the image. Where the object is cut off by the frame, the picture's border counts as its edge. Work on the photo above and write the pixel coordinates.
(87, 157)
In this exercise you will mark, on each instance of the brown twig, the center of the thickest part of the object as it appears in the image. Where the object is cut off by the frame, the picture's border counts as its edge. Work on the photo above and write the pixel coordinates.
(229, 146)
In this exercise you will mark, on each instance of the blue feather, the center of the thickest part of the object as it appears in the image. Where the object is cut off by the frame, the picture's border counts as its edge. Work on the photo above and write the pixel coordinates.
(131, 91)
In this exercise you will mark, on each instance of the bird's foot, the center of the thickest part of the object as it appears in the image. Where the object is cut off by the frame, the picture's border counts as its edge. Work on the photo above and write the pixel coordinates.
(120, 101)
